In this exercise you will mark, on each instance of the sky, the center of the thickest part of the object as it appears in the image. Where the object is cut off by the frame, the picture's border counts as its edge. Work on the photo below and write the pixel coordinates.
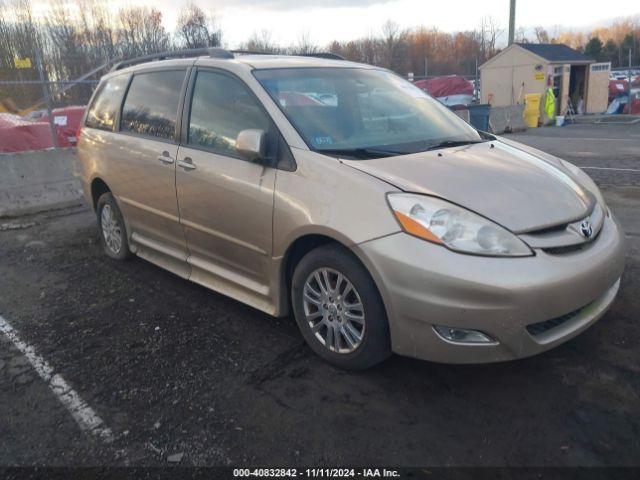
(323, 21)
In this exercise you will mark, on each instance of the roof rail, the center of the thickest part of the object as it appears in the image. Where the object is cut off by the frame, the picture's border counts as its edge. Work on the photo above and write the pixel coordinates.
(327, 55)
(251, 52)
(213, 52)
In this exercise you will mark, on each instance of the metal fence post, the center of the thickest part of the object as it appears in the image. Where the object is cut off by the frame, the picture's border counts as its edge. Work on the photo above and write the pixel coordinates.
(629, 102)
(476, 93)
(47, 98)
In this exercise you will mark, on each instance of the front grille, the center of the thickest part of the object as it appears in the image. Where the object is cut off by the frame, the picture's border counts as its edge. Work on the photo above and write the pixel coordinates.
(566, 238)
(539, 328)
(553, 229)
(567, 249)
(571, 248)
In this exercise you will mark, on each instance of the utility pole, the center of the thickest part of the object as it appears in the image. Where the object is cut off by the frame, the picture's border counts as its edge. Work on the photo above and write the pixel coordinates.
(512, 21)
(425, 67)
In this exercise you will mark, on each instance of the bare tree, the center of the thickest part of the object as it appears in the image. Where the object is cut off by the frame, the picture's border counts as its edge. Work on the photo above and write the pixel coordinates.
(98, 30)
(395, 47)
(335, 47)
(262, 42)
(141, 31)
(542, 36)
(304, 45)
(390, 40)
(445, 52)
(196, 29)
(67, 47)
(370, 50)
(488, 33)
(521, 36)
(353, 51)
(76, 36)
(19, 37)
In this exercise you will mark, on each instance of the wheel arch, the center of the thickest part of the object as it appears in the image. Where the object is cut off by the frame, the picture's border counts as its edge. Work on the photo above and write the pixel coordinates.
(98, 188)
(302, 245)
(298, 249)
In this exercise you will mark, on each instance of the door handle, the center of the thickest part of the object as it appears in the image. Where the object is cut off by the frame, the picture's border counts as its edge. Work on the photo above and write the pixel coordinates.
(186, 163)
(165, 158)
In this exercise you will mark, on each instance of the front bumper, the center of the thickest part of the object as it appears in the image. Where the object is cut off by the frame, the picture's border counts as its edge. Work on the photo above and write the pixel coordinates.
(423, 284)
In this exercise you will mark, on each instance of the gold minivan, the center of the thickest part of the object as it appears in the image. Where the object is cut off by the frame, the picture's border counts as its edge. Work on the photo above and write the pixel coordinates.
(342, 193)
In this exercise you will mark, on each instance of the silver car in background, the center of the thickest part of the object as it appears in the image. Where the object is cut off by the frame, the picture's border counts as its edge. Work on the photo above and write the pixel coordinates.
(341, 193)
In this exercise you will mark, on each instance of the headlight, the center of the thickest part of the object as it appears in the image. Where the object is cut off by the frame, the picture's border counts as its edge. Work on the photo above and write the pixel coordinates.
(458, 229)
(586, 182)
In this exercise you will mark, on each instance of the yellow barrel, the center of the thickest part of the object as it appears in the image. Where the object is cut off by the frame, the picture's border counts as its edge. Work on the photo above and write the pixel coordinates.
(531, 119)
(532, 102)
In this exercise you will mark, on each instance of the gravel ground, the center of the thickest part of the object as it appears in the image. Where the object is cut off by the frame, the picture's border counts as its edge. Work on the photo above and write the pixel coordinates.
(173, 368)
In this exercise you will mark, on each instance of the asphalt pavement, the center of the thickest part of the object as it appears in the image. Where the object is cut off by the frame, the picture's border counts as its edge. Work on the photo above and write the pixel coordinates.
(178, 374)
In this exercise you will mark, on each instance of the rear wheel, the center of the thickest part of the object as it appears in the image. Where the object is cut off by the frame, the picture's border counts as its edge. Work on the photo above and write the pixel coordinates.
(113, 236)
(339, 310)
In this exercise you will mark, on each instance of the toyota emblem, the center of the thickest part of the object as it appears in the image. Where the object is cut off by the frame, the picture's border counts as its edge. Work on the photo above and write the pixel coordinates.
(586, 229)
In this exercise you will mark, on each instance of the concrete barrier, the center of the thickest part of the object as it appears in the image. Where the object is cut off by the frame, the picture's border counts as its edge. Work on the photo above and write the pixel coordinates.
(501, 119)
(40, 180)
(507, 119)
(463, 114)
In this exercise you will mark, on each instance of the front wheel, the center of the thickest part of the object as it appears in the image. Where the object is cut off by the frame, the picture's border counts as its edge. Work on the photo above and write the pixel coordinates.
(339, 310)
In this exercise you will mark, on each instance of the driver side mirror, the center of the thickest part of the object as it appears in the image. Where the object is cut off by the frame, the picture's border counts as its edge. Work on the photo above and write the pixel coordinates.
(251, 144)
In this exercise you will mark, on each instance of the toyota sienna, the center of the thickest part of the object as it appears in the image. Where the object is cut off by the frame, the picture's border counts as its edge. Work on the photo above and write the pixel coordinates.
(341, 193)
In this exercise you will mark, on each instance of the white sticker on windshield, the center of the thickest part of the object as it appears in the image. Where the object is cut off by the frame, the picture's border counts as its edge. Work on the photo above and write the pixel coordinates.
(323, 140)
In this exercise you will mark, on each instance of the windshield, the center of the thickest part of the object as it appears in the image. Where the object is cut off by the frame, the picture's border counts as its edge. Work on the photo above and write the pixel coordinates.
(363, 113)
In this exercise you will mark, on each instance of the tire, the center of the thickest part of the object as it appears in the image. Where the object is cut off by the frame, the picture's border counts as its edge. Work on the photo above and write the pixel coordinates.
(336, 308)
(113, 234)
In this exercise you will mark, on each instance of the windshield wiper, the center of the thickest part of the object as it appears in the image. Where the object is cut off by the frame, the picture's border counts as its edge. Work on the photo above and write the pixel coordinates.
(453, 143)
(361, 152)
(364, 153)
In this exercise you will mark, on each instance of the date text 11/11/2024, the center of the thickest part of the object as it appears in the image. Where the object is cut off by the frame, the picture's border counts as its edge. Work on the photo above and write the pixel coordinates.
(316, 473)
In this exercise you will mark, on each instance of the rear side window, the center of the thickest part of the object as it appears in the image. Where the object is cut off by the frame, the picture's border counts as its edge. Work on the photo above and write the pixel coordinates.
(105, 105)
(221, 107)
(151, 106)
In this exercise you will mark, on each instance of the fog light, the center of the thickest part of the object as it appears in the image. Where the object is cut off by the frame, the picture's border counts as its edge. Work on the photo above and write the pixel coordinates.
(462, 335)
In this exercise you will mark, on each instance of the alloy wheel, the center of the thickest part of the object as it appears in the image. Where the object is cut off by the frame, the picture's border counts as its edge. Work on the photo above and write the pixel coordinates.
(111, 229)
(334, 310)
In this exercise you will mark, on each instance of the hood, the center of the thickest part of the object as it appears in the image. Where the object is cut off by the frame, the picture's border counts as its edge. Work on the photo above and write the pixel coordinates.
(513, 185)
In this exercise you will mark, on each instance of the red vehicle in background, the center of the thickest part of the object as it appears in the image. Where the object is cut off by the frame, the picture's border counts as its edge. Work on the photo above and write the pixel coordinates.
(452, 90)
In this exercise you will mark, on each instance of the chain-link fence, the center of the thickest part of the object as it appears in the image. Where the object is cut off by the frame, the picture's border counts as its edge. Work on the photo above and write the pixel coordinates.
(29, 99)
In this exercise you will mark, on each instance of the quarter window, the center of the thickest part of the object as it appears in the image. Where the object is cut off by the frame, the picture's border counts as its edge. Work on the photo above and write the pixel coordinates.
(103, 110)
(151, 106)
(221, 107)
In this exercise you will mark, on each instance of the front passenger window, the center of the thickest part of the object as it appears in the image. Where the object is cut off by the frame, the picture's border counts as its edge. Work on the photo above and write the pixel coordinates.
(221, 107)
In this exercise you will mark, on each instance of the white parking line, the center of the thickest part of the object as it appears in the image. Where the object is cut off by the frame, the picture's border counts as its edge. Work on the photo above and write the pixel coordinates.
(82, 413)
(611, 168)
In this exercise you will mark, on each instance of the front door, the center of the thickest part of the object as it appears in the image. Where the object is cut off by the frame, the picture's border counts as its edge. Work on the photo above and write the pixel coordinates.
(146, 150)
(226, 202)
(597, 91)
